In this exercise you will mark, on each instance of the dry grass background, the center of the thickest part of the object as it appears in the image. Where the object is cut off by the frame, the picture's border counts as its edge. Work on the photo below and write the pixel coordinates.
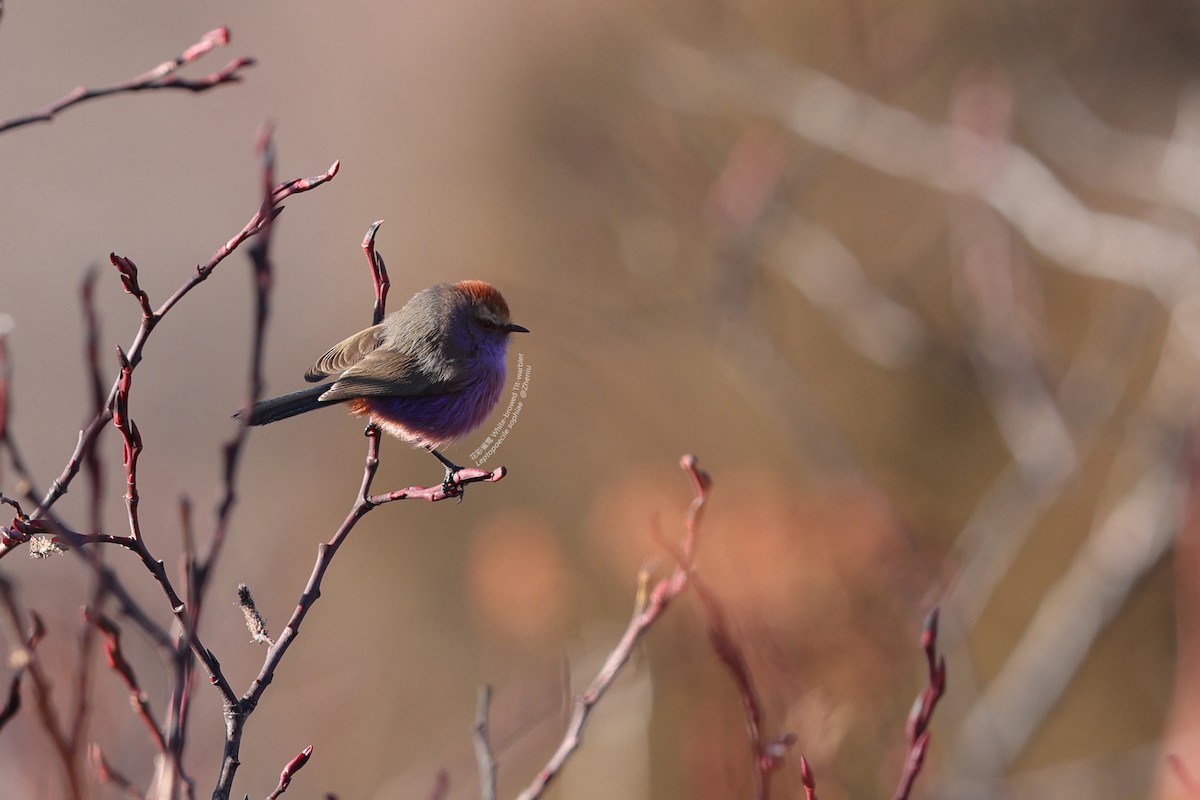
(915, 280)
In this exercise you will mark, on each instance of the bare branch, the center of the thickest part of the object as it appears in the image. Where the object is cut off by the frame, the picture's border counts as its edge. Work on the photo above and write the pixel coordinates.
(161, 77)
(91, 344)
(13, 704)
(917, 729)
(104, 774)
(42, 689)
(645, 615)
(87, 438)
(768, 754)
(117, 662)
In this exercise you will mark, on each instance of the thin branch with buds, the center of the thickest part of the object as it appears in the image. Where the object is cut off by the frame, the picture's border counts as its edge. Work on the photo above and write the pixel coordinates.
(645, 615)
(44, 526)
(117, 662)
(245, 705)
(88, 437)
(289, 771)
(161, 77)
(917, 730)
(768, 754)
(379, 275)
(132, 446)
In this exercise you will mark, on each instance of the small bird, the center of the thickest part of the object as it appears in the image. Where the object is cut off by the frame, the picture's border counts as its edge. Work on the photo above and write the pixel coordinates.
(429, 373)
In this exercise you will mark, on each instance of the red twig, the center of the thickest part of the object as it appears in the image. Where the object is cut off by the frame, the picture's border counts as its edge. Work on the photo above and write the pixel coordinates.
(701, 486)
(290, 769)
(6, 438)
(161, 77)
(132, 446)
(104, 774)
(917, 730)
(23, 528)
(13, 704)
(198, 570)
(117, 662)
(808, 779)
(91, 357)
(129, 280)
(379, 275)
(237, 713)
(236, 709)
(768, 754)
(262, 279)
(131, 450)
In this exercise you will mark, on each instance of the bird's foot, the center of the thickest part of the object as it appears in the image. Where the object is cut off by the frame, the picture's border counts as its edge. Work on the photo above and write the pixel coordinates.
(450, 484)
(453, 485)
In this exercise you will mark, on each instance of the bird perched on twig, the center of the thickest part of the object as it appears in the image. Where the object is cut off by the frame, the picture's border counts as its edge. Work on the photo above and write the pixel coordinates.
(429, 373)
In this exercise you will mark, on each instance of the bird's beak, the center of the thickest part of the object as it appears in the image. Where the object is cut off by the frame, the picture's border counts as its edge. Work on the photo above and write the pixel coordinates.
(513, 327)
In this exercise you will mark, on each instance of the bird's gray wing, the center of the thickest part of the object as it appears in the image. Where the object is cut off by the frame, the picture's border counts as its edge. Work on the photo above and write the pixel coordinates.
(345, 353)
(388, 373)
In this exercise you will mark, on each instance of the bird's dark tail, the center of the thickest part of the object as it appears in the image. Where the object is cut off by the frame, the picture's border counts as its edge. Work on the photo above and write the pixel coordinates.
(274, 409)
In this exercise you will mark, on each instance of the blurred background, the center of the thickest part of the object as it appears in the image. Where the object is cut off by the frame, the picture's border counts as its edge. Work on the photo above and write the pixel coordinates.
(918, 282)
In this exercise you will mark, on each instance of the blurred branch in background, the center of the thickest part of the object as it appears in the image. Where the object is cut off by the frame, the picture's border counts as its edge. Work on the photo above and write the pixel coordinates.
(1009, 213)
(1015, 182)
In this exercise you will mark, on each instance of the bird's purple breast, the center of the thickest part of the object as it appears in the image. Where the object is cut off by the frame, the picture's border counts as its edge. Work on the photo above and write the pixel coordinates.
(437, 419)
